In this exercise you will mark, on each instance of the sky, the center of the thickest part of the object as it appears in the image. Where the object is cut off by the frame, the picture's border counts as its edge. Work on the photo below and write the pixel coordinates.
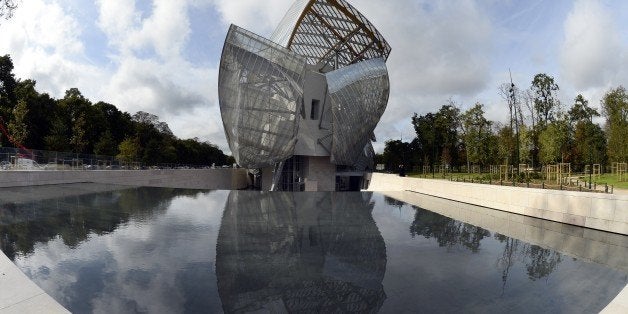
(162, 56)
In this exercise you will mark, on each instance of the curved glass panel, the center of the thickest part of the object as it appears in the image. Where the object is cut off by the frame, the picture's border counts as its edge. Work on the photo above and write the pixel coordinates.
(359, 95)
(286, 27)
(259, 85)
(330, 32)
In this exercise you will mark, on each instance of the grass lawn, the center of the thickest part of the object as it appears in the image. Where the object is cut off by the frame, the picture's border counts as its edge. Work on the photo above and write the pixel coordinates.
(604, 179)
(610, 180)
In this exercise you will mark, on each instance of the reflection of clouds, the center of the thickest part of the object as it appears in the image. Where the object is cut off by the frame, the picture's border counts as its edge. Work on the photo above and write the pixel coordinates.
(144, 265)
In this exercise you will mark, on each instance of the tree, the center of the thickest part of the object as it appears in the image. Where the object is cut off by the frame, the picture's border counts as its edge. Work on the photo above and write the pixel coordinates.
(447, 124)
(615, 110)
(57, 140)
(73, 111)
(554, 142)
(106, 145)
(17, 126)
(589, 145)
(398, 153)
(580, 111)
(129, 150)
(424, 126)
(545, 101)
(79, 131)
(7, 7)
(476, 135)
(589, 141)
(41, 110)
(7, 92)
(505, 144)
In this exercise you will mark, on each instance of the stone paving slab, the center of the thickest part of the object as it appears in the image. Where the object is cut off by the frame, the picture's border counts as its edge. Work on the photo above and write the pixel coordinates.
(20, 295)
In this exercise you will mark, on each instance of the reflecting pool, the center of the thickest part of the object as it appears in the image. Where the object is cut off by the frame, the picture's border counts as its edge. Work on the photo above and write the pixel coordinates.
(99, 248)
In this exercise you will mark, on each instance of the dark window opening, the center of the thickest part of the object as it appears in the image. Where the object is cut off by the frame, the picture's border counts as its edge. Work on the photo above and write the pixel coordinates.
(315, 109)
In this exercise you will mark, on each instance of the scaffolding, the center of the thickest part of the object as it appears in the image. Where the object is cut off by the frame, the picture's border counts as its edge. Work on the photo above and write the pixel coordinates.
(620, 169)
(597, 170)
(560, 172)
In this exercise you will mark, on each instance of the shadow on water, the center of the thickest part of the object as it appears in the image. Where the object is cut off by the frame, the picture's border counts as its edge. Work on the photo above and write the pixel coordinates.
(312, 252)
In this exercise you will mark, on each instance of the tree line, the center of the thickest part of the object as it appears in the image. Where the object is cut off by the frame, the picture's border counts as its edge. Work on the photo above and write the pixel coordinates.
(540, 130)
(35, 120)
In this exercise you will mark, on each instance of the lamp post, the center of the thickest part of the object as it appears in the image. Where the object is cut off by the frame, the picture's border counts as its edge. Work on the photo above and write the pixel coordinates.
(590, 150)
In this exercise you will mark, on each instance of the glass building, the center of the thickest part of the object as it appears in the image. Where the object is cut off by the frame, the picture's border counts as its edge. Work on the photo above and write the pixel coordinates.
(299, 109)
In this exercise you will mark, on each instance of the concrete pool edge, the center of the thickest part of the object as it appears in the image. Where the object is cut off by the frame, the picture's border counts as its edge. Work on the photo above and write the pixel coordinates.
(606, 212)
(20, 294)
(212, 179)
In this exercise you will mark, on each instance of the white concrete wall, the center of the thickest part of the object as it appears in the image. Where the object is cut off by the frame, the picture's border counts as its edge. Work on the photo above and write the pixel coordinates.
(607, 212)
(215, 179)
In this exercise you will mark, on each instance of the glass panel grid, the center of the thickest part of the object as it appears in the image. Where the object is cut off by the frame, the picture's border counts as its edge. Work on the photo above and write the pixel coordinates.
(359, 95)
(260, 85)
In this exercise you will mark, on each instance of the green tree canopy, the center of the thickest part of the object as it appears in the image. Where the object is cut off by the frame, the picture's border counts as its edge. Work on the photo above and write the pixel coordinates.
(615, 110)
(476, 135)
(545, 101)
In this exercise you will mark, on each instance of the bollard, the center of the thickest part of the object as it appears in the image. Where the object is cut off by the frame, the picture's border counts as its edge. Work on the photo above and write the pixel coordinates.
(543, 185)
(528, 184)
(605, 187)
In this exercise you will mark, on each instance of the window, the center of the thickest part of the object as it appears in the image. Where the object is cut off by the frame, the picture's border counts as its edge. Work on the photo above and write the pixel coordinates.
(315, 109)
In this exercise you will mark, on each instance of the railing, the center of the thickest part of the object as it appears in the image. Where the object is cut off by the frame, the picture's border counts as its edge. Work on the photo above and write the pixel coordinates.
(21, 159)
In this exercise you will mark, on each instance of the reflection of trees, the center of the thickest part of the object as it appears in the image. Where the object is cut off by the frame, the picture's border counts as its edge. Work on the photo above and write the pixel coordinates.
(448, 232)
(74, 218)
(300, 252)
(539, 262)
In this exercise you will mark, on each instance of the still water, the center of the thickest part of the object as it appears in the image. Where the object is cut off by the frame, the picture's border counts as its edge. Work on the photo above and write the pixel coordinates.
(126, 250)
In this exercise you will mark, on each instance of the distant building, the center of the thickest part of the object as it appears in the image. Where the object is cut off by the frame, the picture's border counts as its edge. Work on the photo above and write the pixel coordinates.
(302, 105)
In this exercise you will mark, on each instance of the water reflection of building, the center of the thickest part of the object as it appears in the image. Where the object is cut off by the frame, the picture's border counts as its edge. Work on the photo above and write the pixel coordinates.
(300, 252)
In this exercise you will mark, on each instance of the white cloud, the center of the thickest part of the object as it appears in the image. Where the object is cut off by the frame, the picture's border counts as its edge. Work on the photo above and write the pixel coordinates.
(44, 43)
(440, 50)
(260, 17)
(592, 53)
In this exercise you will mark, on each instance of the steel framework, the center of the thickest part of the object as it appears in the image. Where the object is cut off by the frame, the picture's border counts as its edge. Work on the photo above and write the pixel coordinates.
(262, 84)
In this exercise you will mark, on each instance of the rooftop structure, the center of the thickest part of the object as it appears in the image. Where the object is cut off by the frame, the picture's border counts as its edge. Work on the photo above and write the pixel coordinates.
(302, 105)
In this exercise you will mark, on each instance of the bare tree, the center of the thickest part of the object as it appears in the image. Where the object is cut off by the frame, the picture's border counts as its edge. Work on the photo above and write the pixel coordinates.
(6, 8)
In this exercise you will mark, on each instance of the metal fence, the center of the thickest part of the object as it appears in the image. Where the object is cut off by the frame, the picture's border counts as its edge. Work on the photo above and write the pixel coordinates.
(22, 159)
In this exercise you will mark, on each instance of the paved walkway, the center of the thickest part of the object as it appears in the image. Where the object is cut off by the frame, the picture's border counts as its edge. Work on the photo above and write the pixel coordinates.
(21, 295)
